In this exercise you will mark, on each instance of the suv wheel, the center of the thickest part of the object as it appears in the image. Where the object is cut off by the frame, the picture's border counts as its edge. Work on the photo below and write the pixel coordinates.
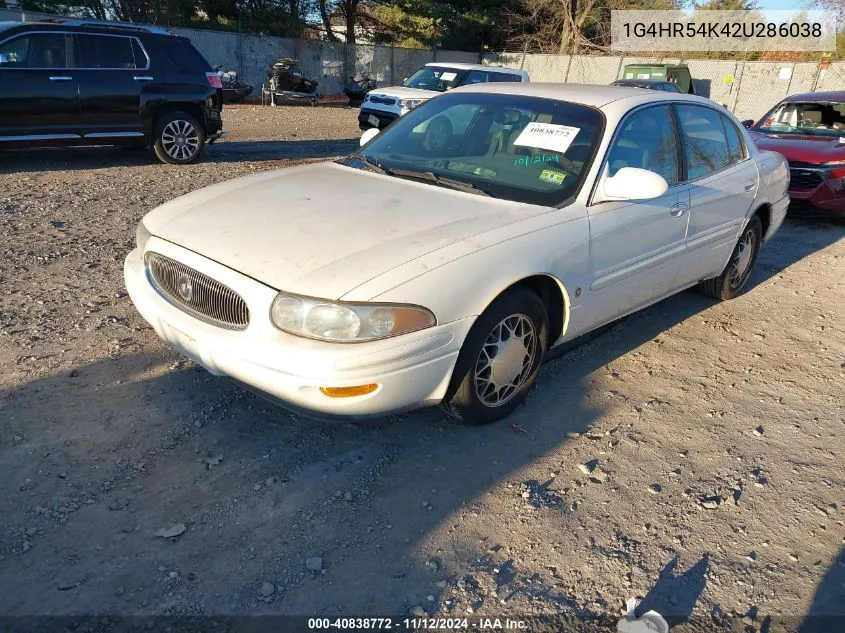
(179, 139)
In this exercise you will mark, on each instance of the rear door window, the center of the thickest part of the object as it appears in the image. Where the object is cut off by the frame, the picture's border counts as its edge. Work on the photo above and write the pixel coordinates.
(107, 52)
(704, 140)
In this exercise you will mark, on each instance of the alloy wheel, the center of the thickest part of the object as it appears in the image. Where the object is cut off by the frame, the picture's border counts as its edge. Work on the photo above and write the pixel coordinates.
(180, 139)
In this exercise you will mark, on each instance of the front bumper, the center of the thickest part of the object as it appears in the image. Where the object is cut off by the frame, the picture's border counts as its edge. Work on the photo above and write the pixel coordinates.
(384, 118)
(827, 198)
(412, 370)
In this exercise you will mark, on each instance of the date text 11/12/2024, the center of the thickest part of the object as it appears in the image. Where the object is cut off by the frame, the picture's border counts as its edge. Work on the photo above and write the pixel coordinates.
(417, 624)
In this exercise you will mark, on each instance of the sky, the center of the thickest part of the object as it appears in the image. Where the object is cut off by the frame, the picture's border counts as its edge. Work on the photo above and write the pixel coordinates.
(780, 4)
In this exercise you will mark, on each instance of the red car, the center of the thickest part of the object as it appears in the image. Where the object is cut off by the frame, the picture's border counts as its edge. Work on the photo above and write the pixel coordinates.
(809, 130)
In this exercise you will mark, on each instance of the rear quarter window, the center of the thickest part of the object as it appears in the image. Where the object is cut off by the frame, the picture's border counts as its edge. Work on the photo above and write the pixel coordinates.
(487, 76)
(181, 56)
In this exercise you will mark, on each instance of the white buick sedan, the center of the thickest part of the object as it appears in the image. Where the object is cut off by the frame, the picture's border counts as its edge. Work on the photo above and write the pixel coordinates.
(446, 257)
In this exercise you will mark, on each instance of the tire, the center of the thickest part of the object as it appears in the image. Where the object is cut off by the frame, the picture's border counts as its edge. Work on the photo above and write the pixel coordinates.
(172, 127)
(740, 266)
(474, 396)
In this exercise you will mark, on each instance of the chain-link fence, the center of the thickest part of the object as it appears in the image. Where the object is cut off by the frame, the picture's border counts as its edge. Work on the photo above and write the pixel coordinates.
(748, 89)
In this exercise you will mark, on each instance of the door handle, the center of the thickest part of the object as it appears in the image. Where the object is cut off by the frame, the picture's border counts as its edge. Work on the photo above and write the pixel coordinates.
(60, 78)
(678, 209)
(750, 185)
(143, 78)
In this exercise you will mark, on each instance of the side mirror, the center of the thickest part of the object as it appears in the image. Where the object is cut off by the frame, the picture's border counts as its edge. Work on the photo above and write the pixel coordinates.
(368, 135)
(633, 183)
(4, 59)
(747, 123)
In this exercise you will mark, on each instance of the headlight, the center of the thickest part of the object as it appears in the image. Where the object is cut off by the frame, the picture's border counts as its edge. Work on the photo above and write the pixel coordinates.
(142, 235)
(836, 174)
(409, 104)
(346, 322)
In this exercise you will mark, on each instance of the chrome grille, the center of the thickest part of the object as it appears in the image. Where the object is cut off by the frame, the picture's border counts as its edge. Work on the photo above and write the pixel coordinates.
(800, 178)
(197, 294)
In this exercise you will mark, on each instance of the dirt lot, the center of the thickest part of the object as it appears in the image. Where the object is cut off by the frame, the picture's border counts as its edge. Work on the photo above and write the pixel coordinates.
(692, 455)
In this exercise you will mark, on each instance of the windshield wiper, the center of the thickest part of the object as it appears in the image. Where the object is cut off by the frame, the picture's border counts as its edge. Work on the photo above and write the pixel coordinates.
(371, 164)
(459, 185)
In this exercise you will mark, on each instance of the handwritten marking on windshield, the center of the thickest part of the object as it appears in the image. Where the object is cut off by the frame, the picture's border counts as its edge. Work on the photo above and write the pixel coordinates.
(537, 160)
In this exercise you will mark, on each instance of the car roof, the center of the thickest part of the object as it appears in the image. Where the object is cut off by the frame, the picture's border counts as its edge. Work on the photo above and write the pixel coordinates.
(830, 95)
(462, 66)
(592, 95)
(638, 82)
(82, 25)
(649, 65)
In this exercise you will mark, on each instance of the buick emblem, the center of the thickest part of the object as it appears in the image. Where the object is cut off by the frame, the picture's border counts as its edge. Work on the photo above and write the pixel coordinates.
(184, 288)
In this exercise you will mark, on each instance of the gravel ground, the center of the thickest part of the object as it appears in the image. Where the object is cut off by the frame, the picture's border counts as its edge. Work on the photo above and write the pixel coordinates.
(692, 455)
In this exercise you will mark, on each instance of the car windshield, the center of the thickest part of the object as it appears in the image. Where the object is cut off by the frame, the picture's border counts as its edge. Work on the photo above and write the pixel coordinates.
(815, 118)
(524, 149)
(437, 78)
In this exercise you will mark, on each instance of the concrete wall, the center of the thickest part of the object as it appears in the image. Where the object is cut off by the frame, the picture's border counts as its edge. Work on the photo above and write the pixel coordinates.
(747, 88)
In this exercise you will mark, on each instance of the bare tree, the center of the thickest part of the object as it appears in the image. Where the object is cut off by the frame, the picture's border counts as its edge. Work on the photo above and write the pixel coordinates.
(572, 26)
(349, 9)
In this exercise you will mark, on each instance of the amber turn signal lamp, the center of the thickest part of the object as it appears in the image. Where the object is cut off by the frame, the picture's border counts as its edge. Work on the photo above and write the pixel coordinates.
(348, 392)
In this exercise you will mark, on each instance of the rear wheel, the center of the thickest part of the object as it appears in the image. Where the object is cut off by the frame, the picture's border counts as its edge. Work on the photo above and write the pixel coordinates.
(738, 271)
(179, 139)
(499, 360)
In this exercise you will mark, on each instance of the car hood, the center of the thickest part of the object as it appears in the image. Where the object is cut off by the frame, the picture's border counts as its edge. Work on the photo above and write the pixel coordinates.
(803, 149)
(401, 92)
(322, 230)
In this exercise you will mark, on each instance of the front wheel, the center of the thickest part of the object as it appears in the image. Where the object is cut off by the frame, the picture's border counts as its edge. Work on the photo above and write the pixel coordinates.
(179, 139)
(738, 271)
(499, 360)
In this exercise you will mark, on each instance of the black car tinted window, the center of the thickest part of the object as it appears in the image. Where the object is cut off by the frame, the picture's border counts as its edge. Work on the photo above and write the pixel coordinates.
(106, 51)
(141, 58)
(183, 57)
(36, 50)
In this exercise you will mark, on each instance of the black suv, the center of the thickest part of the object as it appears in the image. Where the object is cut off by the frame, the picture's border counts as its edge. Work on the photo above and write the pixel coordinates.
(81, 82)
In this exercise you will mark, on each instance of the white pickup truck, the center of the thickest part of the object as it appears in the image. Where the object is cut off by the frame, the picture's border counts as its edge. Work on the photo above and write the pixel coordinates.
(383, 105)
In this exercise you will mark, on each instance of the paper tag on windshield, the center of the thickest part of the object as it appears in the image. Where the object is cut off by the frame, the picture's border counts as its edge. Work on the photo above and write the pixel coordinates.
(557, 138)
(448, 76)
